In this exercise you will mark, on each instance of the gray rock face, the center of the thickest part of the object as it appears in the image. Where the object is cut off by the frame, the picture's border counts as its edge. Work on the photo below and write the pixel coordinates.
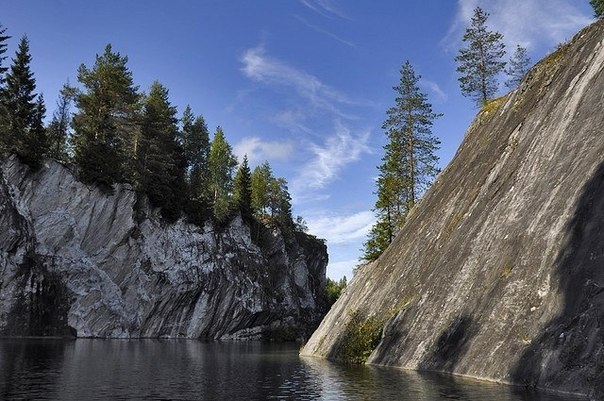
(499, 272)
(76, 261)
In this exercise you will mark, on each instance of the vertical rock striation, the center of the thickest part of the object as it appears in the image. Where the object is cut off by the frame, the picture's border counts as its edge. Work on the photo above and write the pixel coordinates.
(499, 272)
(74, 260)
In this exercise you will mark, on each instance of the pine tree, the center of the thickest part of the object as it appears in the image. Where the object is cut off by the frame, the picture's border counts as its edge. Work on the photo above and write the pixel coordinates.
(160, 158)
(280, 203)
(598, 6)
(105, 126)
(19, 98)
(379, 237)
(270, 197)
(221, 164)
(409, 163)
(195, 139)
(58, 129)
(518, 67)
(482, 61)
(35, 140)
(3, 46)
(261, 178)
(242, 190)
(4, 132)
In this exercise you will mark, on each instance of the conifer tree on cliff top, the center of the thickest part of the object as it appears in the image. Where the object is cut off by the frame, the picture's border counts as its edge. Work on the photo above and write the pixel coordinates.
(221, 163)
(518, 67)
(242, 190)
(58, 129)
(270, 197)
(195, 139)
(3, 110)
(481, 61)
(105, 132)
(3, 46)
(160, 158)
(23, 132)
(19, 96)
(598, 6)
(409, 161)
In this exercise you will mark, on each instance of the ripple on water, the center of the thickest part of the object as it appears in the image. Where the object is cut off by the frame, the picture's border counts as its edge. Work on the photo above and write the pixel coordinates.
(195, 370)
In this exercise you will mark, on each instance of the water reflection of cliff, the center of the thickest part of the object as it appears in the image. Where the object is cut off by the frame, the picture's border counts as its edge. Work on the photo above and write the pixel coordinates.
(195, 370)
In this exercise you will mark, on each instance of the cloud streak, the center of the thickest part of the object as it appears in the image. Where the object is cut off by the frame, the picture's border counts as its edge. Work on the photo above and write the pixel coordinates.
(330, 158)
(310, 112)
(324, 7)
(342, 230)
(257, 65)
(324, 31)
(434, 88)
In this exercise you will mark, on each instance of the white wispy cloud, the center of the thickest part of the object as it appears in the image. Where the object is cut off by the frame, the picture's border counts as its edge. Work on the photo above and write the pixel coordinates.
(434, 88)
(329, 159)
(258, 151)
(313, 107)
(257, 65)
(326, 8)
(324, 31)
(342, 229)
(533, 24)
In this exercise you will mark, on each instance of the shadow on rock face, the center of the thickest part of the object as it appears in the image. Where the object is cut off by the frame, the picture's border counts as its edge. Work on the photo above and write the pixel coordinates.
(451, 345)
(571, 348)
(43, 304)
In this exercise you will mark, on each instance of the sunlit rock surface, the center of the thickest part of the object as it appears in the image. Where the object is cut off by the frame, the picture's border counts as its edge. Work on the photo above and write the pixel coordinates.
(499, 272)
(75, 261)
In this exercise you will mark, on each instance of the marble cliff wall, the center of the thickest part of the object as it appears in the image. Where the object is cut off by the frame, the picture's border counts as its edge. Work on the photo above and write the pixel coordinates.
(498, 273)
(76, 261)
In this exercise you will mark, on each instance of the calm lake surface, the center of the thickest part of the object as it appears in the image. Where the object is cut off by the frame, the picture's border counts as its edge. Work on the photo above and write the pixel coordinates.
(44, 369)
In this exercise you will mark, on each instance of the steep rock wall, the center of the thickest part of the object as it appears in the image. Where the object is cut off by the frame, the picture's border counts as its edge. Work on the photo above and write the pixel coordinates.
(76, 261)
(499, 272)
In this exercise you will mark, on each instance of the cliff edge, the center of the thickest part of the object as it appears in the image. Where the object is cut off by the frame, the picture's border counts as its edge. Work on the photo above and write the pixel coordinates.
(498, 273)
(76, 261)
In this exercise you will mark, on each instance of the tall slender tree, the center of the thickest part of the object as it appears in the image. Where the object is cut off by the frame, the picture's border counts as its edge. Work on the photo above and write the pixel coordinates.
(58, 129)
(35, 140)
(598, 6)
(280, 203)
(270, 197)
(482, 60)
(3, 110)
(261, 178)
(222, 165)
(105, 125)
(518, 67)
(3, 46)
(242, 190)
(409, 163)
(160, 158)
(23, 110)
(195, 139)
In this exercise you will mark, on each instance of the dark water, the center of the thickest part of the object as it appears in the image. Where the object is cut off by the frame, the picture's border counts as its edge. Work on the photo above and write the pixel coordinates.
(191, 370)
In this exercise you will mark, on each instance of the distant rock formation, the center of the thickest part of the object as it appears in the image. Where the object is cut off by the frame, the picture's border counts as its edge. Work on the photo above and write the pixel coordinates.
(75, 261)
(499, 271)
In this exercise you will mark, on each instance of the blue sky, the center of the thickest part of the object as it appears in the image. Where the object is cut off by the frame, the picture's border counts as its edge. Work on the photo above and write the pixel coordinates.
(304, 84)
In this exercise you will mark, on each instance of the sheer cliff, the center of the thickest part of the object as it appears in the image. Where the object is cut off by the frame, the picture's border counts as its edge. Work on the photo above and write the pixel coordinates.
(76, 261)
(498, 273)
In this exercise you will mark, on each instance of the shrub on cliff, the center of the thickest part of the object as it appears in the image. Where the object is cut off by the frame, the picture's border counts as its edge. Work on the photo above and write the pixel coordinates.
(361, 336)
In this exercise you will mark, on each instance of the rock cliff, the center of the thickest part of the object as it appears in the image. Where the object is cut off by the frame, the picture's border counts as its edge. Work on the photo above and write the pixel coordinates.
(74, 260)
(498, 273)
